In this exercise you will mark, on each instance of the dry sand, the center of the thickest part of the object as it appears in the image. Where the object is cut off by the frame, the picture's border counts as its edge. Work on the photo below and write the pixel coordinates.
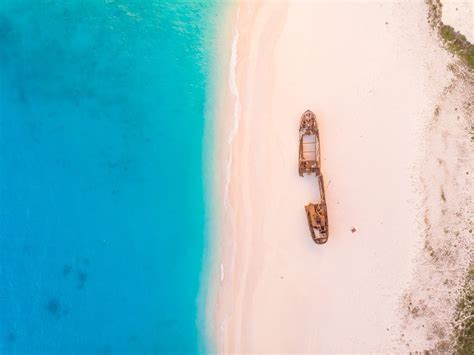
(373, 73)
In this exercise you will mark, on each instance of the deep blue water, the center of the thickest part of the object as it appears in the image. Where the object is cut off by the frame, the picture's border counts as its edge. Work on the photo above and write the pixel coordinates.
(102, 203)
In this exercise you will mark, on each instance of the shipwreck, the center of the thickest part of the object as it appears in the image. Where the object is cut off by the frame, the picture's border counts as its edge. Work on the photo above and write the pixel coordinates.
(309, 163)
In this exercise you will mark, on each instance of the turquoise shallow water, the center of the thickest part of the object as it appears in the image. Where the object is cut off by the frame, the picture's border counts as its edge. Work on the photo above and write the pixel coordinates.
(102, 204)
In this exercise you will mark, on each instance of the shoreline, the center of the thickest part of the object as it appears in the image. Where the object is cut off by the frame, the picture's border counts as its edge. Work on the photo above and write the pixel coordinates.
(214, 127)
(275, 290)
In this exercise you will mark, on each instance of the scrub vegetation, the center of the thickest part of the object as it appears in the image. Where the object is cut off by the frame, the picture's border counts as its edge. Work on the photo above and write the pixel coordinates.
(464, 328)
(462, 339)
(453, 40)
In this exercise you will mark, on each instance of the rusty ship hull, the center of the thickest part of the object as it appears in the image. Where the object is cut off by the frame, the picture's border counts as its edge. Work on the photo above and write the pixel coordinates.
(309, 163)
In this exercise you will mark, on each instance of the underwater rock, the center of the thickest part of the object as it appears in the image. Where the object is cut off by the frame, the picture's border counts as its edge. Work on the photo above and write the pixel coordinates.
(53, 306)
(82, 278)
(66, 270)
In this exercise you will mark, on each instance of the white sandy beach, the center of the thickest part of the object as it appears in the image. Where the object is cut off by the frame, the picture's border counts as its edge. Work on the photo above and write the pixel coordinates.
(373, 74)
